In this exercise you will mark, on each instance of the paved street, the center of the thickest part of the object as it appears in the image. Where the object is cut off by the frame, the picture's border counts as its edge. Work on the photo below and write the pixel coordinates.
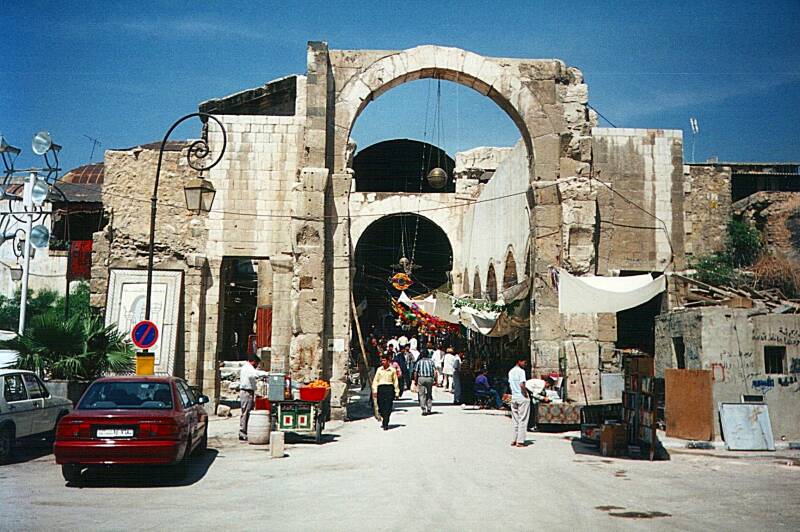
(451, 471)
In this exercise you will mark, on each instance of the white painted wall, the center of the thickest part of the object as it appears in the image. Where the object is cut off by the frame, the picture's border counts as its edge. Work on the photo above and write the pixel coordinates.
(499, 221)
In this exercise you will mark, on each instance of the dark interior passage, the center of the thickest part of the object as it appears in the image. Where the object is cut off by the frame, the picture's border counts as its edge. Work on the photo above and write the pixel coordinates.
(401, 165)
(378, 257)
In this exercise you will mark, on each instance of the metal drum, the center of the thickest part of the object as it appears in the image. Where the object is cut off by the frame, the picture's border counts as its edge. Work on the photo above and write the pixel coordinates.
(258, 427)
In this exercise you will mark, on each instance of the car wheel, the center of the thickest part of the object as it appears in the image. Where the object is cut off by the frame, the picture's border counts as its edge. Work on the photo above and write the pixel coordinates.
(71, 472)
(6, 444)
(203, 445)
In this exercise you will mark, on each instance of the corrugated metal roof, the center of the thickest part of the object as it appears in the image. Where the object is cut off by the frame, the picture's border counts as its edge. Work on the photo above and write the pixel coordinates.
(88, 173)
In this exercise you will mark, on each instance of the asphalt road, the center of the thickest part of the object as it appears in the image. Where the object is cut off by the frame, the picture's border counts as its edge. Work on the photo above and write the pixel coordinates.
(451, 471)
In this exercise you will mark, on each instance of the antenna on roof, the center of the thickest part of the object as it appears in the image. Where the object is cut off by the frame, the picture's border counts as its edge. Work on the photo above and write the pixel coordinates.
(95, 143)
(695, 131)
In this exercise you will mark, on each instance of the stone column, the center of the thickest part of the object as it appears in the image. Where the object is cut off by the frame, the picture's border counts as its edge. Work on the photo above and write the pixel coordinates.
(338, 291)
(212, 293)
(307, 294)
(281, 317)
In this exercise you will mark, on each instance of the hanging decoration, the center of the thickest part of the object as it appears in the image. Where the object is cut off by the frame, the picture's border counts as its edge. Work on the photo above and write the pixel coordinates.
(401, 281)
(416, 318)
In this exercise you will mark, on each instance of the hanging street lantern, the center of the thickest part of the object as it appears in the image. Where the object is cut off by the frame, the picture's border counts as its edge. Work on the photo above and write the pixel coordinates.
(437, 178)
(199, 194)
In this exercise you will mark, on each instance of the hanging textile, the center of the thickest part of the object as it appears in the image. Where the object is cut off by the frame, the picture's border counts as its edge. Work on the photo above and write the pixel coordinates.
(593, 294)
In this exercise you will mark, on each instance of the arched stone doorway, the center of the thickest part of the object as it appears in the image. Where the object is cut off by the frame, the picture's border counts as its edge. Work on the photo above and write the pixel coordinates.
(376, 259)
(545, 99)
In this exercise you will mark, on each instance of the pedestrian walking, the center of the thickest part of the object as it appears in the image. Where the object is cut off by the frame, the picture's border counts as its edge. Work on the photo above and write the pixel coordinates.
(410, 360)
(520, 403)
(399, 363)
(437, 363)
(448, 364)
(425, 376)
(457, 399)
(248, 375)
(385, 388)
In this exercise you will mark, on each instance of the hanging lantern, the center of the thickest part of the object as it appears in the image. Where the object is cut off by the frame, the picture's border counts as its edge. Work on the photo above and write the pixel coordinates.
(437, 178)
(401, 281)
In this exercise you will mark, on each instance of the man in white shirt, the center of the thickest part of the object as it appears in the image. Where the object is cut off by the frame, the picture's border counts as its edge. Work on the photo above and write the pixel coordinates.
(448, 368)
(247, 391)
(520, 402)
(394, 343)
(437, 364)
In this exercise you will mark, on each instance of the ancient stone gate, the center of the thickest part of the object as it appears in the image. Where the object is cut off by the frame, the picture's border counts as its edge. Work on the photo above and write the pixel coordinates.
(544, 98)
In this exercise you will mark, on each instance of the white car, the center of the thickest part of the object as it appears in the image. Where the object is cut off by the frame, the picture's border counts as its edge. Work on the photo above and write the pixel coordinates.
(26, 409)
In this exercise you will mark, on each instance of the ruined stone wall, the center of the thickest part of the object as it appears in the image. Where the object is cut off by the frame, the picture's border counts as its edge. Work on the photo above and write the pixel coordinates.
(258, 189)
(180, 237)
(707, 211)
(730, 343)
(646, 167)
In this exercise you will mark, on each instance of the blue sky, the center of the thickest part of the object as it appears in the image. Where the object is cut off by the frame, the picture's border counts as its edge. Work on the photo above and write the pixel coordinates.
(123, 71)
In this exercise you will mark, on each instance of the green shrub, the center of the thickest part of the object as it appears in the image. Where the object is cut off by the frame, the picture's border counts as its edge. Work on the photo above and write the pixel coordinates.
(78, 348)
(744, 244)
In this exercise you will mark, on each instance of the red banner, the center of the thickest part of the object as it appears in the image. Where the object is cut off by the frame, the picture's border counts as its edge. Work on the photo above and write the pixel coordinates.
(80, 260)
(264, 327)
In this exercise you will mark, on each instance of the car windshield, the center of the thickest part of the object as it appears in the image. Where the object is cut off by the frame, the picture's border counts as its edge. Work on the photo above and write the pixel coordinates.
(128, 395)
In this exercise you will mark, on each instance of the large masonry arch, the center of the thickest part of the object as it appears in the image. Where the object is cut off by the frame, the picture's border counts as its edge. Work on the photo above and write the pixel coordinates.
(545, 99)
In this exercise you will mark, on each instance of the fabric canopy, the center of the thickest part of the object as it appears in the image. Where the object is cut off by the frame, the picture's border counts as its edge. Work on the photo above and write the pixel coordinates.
(493, 323)
(593, 294)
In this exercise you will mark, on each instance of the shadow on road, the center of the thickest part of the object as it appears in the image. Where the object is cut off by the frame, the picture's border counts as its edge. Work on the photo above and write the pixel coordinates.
(293, 438)
(581, 447)
(146, 476)
(30, 449)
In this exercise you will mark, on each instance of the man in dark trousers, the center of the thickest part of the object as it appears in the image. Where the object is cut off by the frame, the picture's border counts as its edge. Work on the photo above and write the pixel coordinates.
(400, 359)
(424, 377)
(385, 387)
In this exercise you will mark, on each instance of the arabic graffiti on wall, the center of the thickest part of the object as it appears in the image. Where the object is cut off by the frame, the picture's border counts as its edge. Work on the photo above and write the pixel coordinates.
(763, 385)
(782, 336)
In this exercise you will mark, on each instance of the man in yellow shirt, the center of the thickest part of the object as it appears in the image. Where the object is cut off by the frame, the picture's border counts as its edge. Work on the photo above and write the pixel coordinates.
(385, 387)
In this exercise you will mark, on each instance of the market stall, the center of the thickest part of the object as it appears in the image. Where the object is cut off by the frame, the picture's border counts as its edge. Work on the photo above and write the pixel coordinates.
(299, 409)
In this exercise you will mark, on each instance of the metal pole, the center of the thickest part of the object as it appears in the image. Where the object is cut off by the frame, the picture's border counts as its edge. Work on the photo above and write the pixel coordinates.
(27, 202)
(200, 150)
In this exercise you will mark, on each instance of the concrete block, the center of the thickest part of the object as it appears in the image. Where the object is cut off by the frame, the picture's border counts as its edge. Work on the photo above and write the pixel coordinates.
(277, 445)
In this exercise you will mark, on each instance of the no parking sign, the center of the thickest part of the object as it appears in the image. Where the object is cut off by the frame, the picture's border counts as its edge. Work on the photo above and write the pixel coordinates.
(144, 334)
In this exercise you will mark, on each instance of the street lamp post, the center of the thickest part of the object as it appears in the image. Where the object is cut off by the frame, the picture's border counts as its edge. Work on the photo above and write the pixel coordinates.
(199, 192)
(34, 193)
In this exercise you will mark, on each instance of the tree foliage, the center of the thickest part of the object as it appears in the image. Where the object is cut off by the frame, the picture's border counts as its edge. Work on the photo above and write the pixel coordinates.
(743, 247)
(79, 347)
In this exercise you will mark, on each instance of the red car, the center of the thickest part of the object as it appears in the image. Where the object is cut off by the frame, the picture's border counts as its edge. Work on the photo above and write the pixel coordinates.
(132, 420)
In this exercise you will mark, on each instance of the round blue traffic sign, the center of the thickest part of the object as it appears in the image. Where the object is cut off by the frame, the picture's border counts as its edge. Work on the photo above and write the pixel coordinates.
(144, 334)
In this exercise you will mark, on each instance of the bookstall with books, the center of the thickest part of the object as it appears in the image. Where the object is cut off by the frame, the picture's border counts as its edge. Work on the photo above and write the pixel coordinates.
(639, 403)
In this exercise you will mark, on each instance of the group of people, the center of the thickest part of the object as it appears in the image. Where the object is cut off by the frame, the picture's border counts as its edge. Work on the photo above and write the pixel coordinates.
(403, 362)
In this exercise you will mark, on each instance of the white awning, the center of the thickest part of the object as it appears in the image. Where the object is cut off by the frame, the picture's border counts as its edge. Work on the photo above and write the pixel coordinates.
(594, 294)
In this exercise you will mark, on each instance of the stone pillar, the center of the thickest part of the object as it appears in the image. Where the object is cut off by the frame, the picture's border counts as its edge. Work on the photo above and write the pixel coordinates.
(281, 317)
(307, 294)
(338, 292)
(195, 283)
(212, 294)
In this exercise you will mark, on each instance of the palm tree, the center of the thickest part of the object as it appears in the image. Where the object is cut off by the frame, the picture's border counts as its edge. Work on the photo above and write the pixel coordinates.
(78, 348)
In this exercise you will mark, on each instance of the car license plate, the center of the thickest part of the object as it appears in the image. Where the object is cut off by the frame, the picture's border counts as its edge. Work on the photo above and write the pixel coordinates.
(114, 433)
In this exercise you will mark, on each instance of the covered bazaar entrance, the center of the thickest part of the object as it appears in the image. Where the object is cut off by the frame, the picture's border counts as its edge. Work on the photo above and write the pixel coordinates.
(380, 254)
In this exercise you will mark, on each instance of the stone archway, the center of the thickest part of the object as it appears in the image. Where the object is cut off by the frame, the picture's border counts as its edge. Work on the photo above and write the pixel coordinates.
(544, 98)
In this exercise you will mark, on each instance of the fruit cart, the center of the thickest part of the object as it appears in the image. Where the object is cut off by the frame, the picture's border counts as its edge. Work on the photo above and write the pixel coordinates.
(306, 415)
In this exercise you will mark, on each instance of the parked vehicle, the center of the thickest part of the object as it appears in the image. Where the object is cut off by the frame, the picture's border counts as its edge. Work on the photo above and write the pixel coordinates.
(26, 409)
(132, 420)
